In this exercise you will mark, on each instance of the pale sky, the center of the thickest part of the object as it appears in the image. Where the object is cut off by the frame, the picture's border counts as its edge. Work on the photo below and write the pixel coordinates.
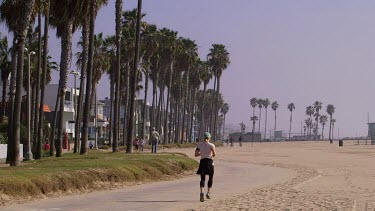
(295, 51)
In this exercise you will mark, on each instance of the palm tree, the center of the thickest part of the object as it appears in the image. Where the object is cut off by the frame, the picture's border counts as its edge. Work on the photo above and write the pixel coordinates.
(260, 106)
(134, 80)
(44, 72)
(253, 119)
(291, 107)
(333, 126)
(17, 22)
(117, 68)
(330, 111)
(308, 123)
(317, 107)
(309, 112)
(206, 77)
(81, 64)
(274, 107)
(219, 61)
(224, 110)
(266, 103)
(94, 6)
(323, 120)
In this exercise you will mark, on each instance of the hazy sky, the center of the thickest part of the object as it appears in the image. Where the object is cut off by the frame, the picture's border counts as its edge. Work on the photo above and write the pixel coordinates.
(295, 51)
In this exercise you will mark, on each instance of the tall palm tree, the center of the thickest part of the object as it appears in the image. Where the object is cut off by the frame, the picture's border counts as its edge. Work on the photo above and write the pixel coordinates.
(93, 8)
(333, 126)
(330, 111)
(117, 68)
(224, 110)
(253, 119)
(44, 72)
(323, 120)
(17, 22)
(65, 18)
(266, 103)
(308, 123)
(317, 107)
(134, 79)
(309, 112)
(260, 106)
(291, 107)
(81, 64)
(275, 106)
(206, 77)
(219, 61)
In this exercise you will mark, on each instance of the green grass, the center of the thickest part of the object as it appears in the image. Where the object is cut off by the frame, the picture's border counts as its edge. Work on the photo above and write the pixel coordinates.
(74, 172)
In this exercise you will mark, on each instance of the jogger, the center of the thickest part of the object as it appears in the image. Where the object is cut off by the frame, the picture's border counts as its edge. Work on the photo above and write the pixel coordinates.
(206, 165)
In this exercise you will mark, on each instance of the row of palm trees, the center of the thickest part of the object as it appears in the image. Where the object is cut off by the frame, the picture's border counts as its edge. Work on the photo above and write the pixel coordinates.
(137, 50)
(311, 111)
(312, 127)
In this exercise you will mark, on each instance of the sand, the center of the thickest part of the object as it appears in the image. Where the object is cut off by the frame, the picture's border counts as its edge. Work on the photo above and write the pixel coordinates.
(328, 177)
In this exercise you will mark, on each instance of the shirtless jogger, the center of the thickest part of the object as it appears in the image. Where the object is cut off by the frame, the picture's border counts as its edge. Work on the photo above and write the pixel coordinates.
(206, 165)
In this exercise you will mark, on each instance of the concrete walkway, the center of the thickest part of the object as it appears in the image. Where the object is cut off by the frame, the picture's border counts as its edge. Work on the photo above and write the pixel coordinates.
(231, 178)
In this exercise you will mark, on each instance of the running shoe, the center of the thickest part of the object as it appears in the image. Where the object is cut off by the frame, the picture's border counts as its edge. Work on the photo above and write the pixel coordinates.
(208, 196)
(202, 197)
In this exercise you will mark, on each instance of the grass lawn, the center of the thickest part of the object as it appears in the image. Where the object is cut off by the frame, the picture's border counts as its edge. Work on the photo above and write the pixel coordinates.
(97, 170)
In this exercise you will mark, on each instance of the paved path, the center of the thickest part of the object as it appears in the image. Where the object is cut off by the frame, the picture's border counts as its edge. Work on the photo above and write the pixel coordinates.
(231, 178)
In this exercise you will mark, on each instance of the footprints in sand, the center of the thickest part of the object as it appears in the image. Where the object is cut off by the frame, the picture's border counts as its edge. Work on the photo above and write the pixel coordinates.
(284, 196)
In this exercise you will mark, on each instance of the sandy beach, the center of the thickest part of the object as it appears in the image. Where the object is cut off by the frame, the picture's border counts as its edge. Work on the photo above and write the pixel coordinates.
(265, 176)
(327, 177)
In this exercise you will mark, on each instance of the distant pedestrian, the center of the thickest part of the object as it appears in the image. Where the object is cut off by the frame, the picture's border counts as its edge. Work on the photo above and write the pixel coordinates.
(136, 143)
(91, 145)
(141, 145)
(154, 140)
(206, 151)
(240, 140)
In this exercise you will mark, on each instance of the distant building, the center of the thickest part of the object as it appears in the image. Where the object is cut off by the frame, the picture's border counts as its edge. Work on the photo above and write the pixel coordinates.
(371, 130)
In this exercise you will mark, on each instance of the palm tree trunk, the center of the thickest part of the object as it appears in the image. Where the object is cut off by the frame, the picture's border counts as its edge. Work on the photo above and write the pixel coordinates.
(167, 133)
(53, 131)
(145, 104)
(265, 126)
(78, 122)
(111, 105)
(322, 132)
(3, 100)
(290, 125)
(274, 138)
(20, 33)
(89, 83)
(129, 145)
(66, 49)
(12, 91)
(260, 117)
(216, 107)
(212, 106)
(38, 147)
(201, 128)
(330, 124)
(154, 96)
(118, 66)
(32, 114)
(44, 74)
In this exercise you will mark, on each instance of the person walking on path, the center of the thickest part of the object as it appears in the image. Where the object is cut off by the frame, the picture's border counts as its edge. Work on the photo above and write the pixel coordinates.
(240, 140)
(141, 145)
(206, 151)
(154, 140)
